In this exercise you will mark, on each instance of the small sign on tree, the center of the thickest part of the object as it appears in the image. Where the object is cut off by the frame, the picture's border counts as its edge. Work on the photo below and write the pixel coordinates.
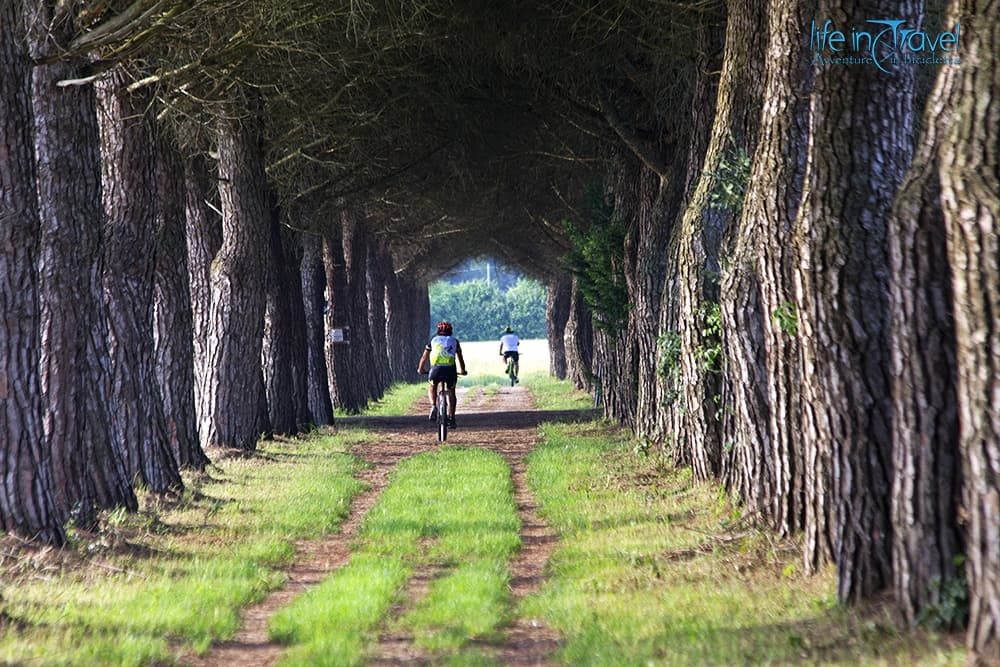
(340, 335)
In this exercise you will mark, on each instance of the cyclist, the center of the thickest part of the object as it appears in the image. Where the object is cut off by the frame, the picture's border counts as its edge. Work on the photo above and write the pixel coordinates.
(508, 349)
(442, 352)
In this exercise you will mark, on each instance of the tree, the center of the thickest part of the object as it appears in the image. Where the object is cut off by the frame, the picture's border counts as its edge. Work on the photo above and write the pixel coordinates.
(27, 506)
(860, 148)
(237, 413)
(970, 195)
(129, 193)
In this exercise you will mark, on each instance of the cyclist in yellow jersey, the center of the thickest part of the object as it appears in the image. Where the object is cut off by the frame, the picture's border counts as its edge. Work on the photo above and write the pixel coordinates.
(442, 353)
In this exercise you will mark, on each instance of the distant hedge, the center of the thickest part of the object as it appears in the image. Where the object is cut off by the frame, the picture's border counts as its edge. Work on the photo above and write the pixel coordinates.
(480, 310)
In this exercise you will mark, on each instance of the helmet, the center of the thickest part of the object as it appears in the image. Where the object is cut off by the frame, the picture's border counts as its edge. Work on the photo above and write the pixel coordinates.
(444, 328)
(508, 330)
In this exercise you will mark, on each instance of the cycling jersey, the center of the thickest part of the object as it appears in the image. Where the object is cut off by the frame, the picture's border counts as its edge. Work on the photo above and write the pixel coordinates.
(443, 350)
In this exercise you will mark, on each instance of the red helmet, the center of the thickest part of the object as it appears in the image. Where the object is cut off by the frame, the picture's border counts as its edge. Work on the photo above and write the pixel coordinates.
(444, 328)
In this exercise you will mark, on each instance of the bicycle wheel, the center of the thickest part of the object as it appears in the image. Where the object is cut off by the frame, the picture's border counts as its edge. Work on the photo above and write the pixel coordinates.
(510, 372)
(442, 414)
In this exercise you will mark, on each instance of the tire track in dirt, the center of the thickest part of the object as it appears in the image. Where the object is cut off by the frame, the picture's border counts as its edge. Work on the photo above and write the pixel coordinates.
(503, 421)
(527, 641)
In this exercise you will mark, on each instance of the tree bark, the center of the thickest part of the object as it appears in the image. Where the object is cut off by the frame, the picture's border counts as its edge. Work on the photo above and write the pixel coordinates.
(399, 328)
(970, 190)
(926, 459)
(578, 341)
(556, 316)
(759, 334)
(700, 235)
(172, 313)
(27, 507)
(276, 353)
(292, 244)
(237, 408)
(129, 194)
(378, 267)
(204, 238)
(861, 129)
(83, 443)
(314, 305)
(339, 363)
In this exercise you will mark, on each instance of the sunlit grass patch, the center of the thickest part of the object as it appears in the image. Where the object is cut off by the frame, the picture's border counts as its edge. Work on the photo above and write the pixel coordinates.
(654, 568)
(179, 573)
(453, 509)
(553, 394)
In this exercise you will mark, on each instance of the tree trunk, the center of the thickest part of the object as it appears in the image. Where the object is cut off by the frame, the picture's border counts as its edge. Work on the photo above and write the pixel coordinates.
(379, 266)
(759, 336)
(314, 304)
(669, 377)
(701, 231)
(861, 145)
(84, 445)
(172, 313)
(399, 328)
(204, 238)
(971, 200)
(926, 457)
(237, 408)
(556, 316)
(340, 370)
(292, 244)
(276, 353)
(27, 507)
(129, 192)
(578, 341)
(362, 349)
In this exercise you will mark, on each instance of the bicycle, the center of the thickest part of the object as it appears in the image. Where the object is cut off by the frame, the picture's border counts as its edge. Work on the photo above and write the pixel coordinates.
(512, 370)
(441, 387)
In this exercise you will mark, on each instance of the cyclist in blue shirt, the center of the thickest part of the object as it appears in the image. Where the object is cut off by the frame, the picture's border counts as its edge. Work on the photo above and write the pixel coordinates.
(442, 353)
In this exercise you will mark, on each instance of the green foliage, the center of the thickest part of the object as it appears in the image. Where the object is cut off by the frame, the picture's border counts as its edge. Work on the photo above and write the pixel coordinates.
(951, 612)
(710, 354)
(731, 178)
(669, 365)
(786, 317)
(596, 259)
(480, 310)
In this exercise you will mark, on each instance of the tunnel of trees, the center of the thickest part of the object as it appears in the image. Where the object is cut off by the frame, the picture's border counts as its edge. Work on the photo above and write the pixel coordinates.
(783, 274)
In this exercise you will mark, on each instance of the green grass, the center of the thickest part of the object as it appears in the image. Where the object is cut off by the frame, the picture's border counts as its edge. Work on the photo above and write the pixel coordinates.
(652, 569)
(452, 509)
(179, 573)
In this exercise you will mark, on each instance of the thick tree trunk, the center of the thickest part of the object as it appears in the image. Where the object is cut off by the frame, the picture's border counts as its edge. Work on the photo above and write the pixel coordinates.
(172, 313)
(701, 231)
(276, 352)
(27, 507)
(340, 364)
(861, 129)
(759, 335)
(970, 185)
(204, 238)
(363, 354)
(314, 305)
(84, 445)
(579, 341)
(670, 427)
(129, 193)
(237, 408)
(379, 266)
(399, 328)
(292, 244)
(926, 458)
(556, 316)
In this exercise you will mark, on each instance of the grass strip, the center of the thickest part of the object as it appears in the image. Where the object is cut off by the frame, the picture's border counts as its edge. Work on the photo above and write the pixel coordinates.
(453, 508)
(653, 568)
(178, 572)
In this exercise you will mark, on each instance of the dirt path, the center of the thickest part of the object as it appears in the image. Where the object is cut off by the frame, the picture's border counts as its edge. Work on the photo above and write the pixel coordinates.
(502, 421)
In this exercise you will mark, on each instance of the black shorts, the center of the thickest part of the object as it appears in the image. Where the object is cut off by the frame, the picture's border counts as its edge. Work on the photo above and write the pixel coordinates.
(510, 353)
(446, 374)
